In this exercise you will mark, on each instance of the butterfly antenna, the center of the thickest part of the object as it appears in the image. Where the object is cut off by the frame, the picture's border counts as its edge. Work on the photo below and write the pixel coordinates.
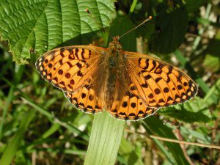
(146, 20)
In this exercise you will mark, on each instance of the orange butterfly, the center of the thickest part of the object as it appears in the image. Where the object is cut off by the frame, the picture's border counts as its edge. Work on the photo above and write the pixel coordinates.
(129, 85)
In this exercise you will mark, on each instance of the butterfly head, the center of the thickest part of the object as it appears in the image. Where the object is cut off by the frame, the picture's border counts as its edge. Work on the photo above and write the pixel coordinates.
(115, 44)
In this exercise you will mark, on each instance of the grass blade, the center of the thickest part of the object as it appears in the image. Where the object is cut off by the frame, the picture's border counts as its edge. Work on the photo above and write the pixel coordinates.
(15, 143)
(105, 140)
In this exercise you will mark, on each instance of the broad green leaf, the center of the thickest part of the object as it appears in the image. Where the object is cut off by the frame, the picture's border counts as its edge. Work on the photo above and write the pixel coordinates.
(193, 5)
(212, 58)
(170, 28)
(128, 41)
(192, 111)
(211, 63)
(40, 25)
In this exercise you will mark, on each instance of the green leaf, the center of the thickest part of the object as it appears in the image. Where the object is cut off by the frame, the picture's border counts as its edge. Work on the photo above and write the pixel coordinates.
(212, 58)
(193, 5)
(194, 75)
(165, 151)
(195, 110)
(54, 120)
(129, 40)
(128, 153)
(211, 63)
(196, 134)
(214, 91)
(170, 29)
(15, 142)
(155, 126)
(40, 25)
(104, 140)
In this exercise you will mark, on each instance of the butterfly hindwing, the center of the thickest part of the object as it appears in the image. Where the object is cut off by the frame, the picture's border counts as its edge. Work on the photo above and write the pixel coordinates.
(85, 99)
(131, 107)
(159, 84)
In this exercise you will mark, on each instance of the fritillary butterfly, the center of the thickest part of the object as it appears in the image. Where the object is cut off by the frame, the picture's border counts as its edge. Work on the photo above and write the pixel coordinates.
(129, 85)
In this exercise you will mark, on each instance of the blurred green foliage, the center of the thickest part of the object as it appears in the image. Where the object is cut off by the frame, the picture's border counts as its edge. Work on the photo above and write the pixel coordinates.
(37, 123)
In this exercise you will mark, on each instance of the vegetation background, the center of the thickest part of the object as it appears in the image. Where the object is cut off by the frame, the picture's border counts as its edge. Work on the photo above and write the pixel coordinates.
(39, 126)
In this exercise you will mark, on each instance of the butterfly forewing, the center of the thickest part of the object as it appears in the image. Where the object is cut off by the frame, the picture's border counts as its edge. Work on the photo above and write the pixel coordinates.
(68, 68)
(159, 84)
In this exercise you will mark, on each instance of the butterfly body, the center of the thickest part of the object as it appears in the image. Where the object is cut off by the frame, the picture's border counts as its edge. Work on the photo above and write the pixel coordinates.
(109, 81)
(129, 85)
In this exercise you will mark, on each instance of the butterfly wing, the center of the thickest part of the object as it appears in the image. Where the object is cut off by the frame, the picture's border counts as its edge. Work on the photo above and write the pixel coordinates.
(159, 84)
(85, 99)
(71, 69)
(68, 68)
(131, 107)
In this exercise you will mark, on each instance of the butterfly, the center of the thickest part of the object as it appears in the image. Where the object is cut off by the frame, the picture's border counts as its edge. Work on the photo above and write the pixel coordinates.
(128, 85)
